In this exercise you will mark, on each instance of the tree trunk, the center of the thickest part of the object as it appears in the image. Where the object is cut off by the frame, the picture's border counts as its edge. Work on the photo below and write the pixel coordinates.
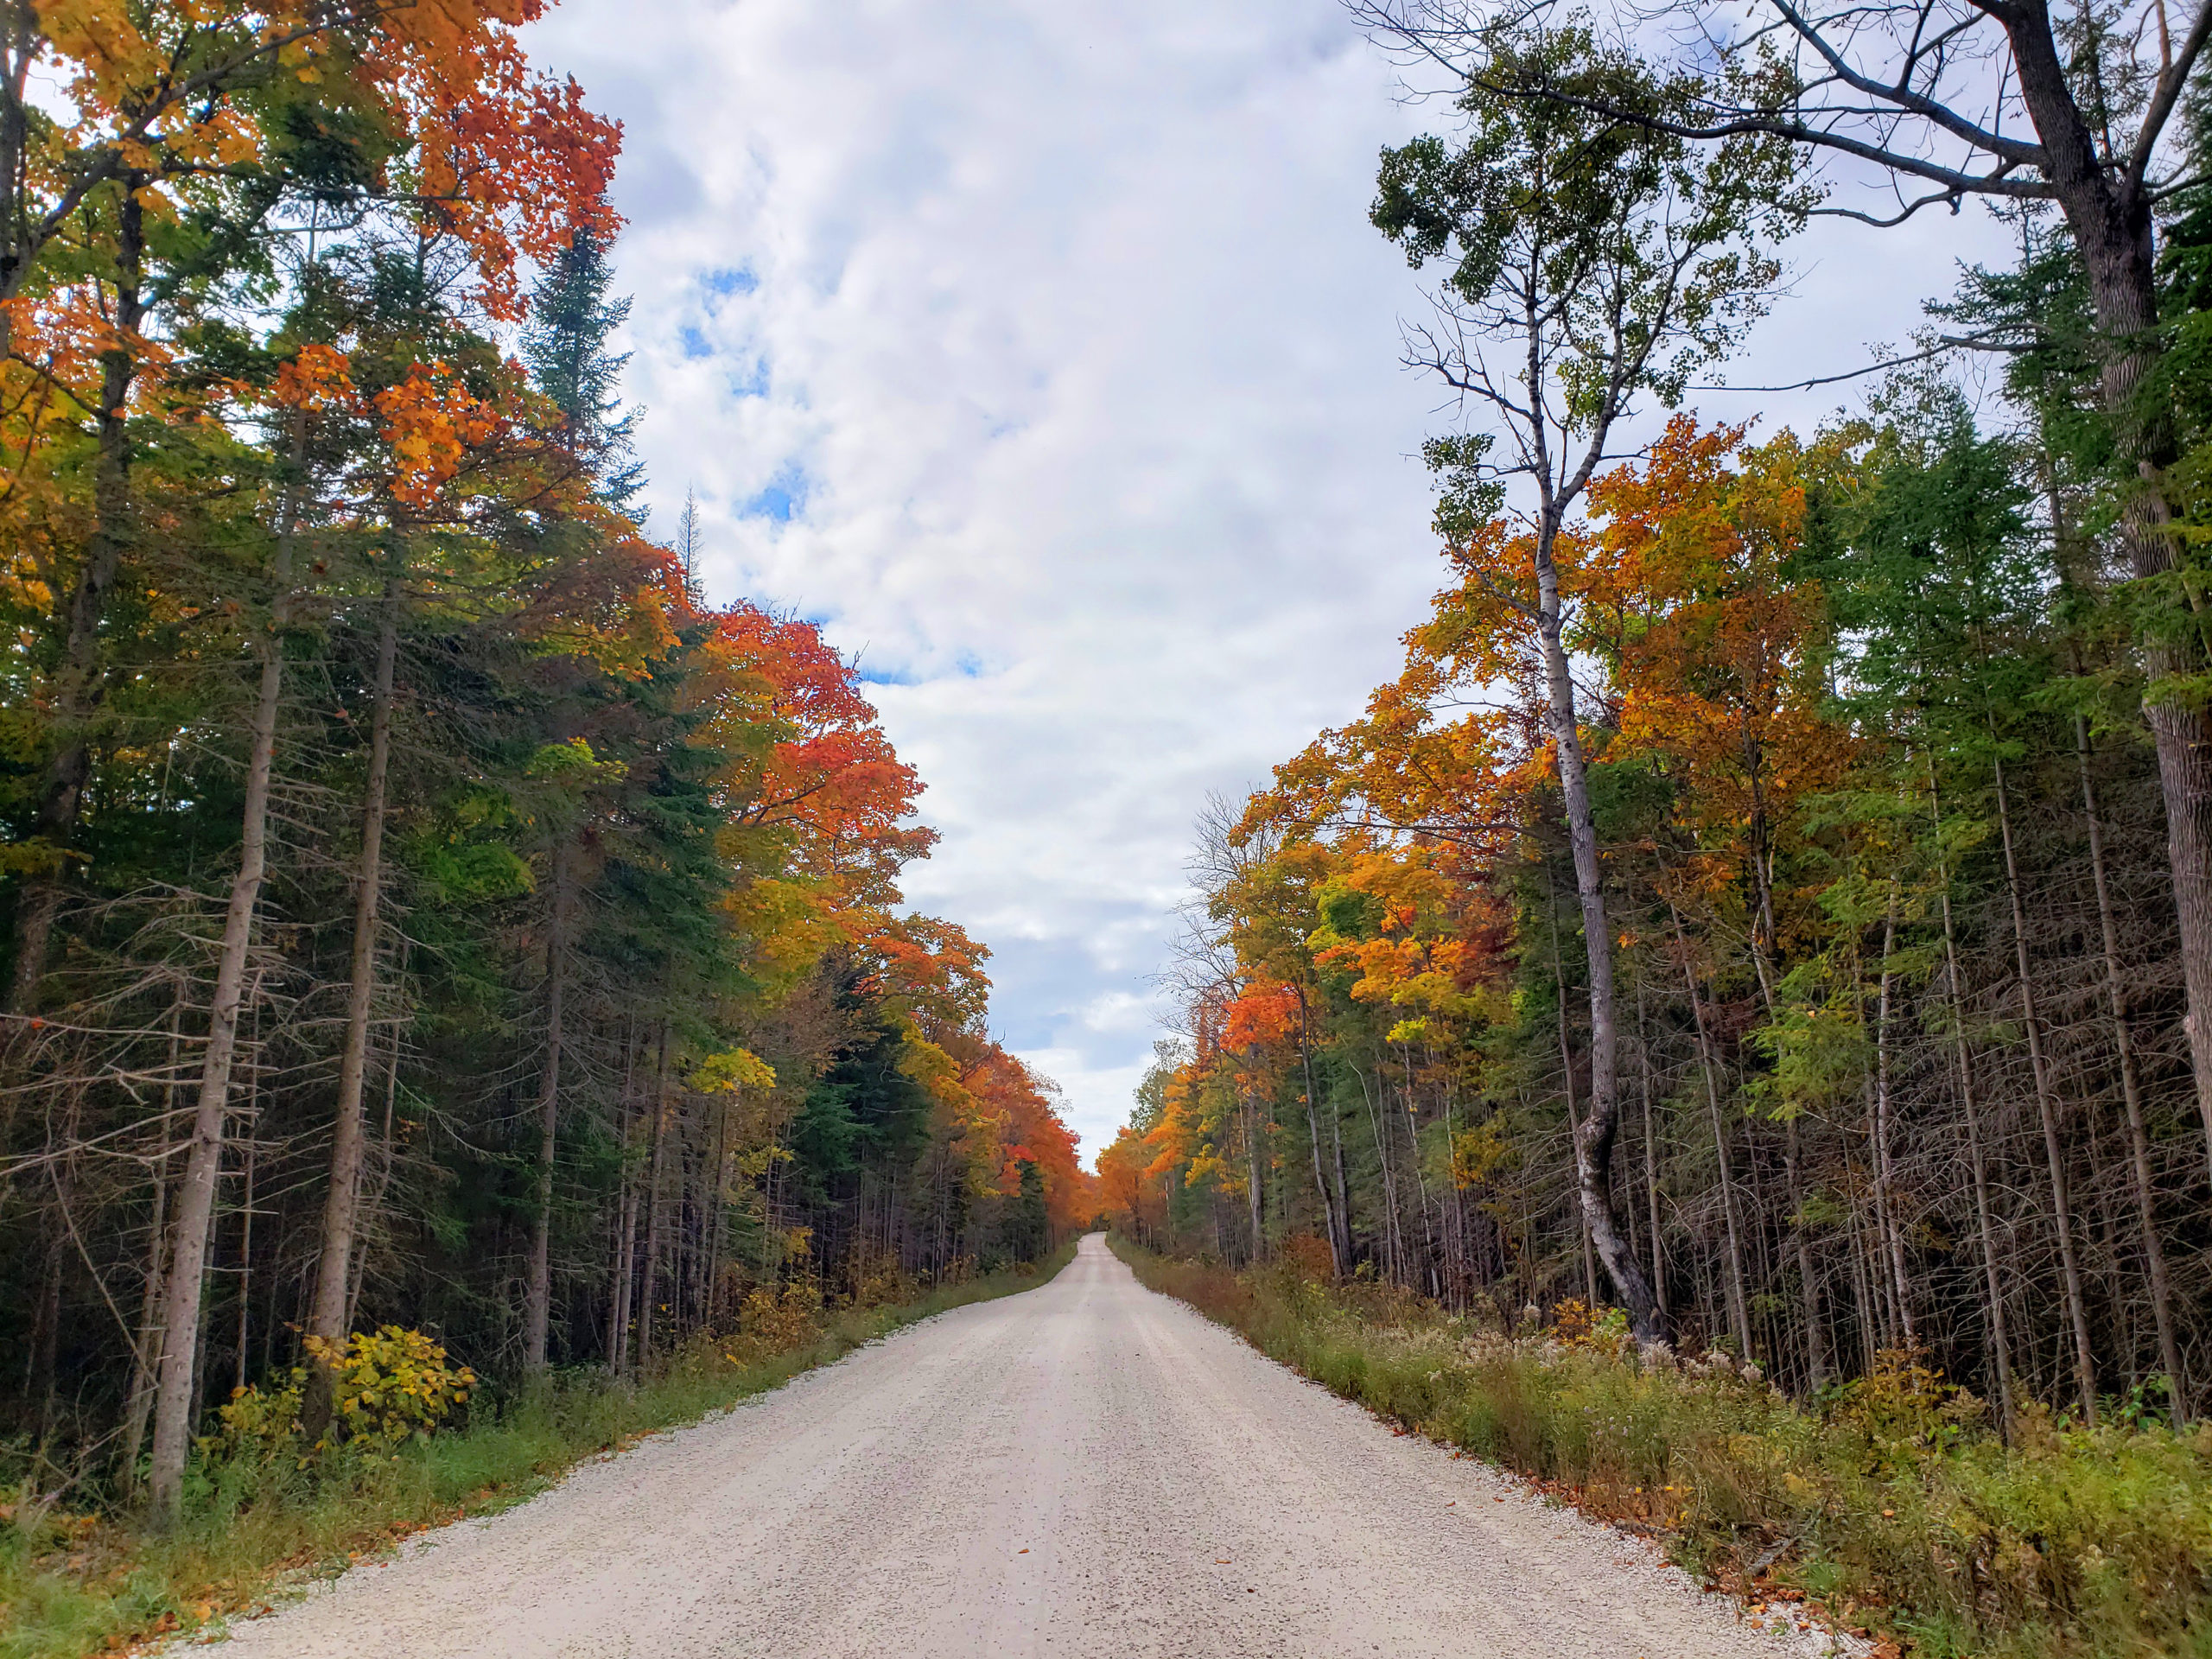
(1885, 1198)
(81, 684)
(1420, 1181)
(1650, 1161)
(1763, 937)
(383, 1173)
(176, 1400)
(41, 1381)
(1808, 1287)
(26, 44)
(174, 1409)
(625, 1221)
(1740, 1316)
(1593, 1143)
(2047, 1109)
(2131, 1086)
(327, 1317)
(1344, 1204)
(1254, 1193)
(537, 1294)
(717, 1189)
(652, 1285)
(2000, 1349)
(2112, 224)
(1393, 1247)
(690, 1226)
(625, 1270)
(1566, 1084)
(1340, 1245)
(146, 1358)
(245, 1261)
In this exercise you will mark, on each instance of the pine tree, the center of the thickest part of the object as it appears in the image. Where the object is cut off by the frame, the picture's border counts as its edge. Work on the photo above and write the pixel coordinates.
(1028, 1229)
(564, 344)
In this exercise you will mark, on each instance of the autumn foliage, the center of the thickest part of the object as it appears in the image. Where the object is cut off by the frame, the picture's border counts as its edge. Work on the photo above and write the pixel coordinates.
(1847, 754)
(424, 912)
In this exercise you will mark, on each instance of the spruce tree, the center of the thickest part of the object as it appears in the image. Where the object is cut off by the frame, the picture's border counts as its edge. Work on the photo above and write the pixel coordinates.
(564, 344)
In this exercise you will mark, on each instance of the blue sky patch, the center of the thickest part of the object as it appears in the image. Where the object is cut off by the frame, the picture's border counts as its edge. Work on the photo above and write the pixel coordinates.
(783, 501)
(738, 279)
(753, 384)
(873, 676)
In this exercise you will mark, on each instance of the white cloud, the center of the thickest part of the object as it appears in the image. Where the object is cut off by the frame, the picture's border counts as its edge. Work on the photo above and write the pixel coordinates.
(1040, 349)
(1119, 1011)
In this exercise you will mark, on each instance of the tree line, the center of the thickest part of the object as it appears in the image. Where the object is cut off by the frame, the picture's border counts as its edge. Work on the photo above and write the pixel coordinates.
(1769, 900)
(421, 906)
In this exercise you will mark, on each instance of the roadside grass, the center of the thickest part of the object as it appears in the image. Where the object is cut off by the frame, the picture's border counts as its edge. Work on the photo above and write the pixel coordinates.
(74, 1585)
(1890, 1508)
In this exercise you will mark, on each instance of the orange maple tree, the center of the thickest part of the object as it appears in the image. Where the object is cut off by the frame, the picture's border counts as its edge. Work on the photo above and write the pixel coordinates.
(1717, 646)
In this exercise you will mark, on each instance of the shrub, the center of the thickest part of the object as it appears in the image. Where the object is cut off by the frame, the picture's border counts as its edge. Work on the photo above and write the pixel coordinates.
(393, 1385)
(878, 1280)
(773, 1322)
(388, 1386)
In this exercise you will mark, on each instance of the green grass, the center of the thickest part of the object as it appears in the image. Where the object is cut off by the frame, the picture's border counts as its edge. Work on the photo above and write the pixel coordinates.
(1893, 1507)
(76, 1584)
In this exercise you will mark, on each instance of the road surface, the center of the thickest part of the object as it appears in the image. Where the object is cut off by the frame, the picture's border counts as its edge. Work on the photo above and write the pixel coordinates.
(1086, 1469)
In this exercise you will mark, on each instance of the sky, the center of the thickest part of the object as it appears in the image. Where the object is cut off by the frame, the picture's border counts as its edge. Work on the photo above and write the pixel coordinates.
(1040, 351)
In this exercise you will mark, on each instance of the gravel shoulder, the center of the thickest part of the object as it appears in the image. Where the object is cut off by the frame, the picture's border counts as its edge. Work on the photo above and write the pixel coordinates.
(1087, 1468)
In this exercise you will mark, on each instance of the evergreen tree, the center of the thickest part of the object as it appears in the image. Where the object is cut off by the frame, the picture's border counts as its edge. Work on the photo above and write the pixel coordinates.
(564, 344)
(1028, 1229)
(688, 538)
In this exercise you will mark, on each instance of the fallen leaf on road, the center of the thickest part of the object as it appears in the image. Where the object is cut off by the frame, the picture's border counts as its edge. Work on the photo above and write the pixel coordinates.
(1022, 1552)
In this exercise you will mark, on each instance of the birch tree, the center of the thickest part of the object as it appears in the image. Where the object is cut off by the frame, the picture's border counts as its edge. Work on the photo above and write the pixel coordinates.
(1594, 263)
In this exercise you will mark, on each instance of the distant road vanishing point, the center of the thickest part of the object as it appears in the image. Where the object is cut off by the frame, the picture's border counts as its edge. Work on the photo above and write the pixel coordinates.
(1086, 1469)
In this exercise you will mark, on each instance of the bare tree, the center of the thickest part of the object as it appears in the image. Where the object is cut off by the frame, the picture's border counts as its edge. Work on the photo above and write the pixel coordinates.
(173, 1402)
(327, 1319)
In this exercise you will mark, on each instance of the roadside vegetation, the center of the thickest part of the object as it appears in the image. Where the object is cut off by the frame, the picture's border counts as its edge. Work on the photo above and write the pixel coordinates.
(440, 949)
(1889, 1506)
(263, 1509)
(1769, 899)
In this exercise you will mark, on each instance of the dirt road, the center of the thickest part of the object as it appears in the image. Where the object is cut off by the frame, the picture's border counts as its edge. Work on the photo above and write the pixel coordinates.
(1085, 1469)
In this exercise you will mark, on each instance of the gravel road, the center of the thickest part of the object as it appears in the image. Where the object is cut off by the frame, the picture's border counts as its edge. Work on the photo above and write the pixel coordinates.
(1085, 1469)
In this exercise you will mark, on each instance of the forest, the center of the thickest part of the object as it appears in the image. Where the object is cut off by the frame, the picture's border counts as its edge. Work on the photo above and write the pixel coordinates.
(1770, 901)
(1725, 1030)
(434, 934)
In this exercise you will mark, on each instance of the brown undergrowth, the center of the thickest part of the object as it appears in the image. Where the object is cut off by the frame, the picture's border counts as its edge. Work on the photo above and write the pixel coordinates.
(1892, 1509)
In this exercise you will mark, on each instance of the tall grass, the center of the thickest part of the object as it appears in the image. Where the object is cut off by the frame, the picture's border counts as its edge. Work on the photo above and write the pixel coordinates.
(71, 1584)
(1893, 1506)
